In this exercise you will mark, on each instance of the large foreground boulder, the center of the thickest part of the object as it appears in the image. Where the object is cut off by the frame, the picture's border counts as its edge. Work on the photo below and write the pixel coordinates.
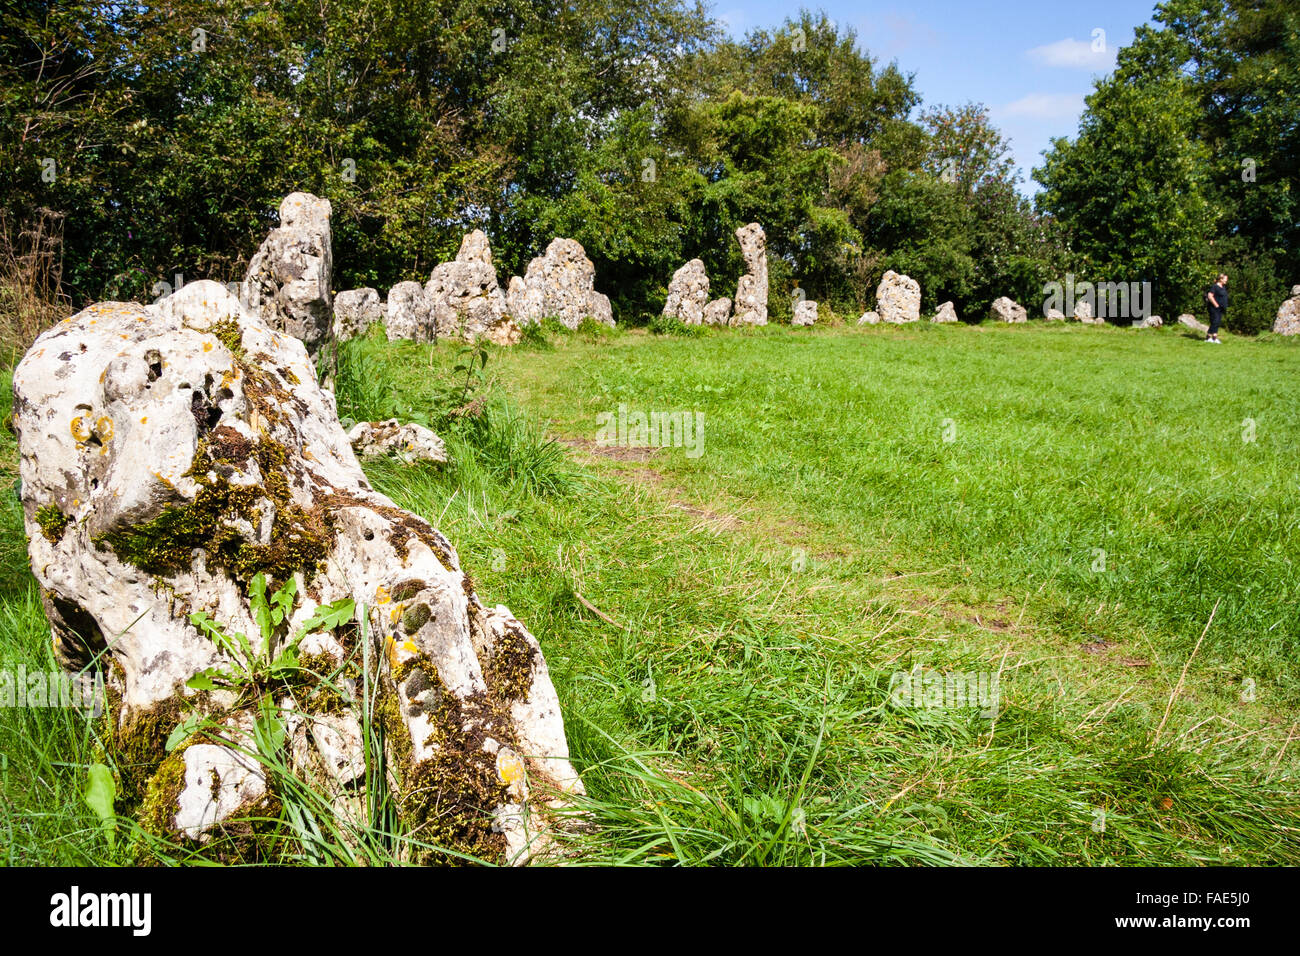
(688, 294)
(288, 279)
(559, 284)
(464, 299)
(1007, 310)
(750, 304)
(898, 298)
(175, 458)
(1288, 315)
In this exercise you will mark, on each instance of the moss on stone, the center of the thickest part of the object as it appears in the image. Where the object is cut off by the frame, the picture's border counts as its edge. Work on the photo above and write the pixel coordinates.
(53, 522)
(300, 539)
(315, 685)
(230, 335)
(415, 617)
(509, 673)
(449, 797)
(157, 814)
(139, 745)
(398, 745)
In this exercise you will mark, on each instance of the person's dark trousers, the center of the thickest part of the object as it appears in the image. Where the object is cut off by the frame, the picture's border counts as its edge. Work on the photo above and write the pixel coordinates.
(1216, 319)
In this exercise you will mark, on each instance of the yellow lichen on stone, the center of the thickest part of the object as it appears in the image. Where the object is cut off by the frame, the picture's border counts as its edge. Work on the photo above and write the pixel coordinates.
(511, 772)
(399, 654)
(381, 595)
(80, 430)
(104, 429)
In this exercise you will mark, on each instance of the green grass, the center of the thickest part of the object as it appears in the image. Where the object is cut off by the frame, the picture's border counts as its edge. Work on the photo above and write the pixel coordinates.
(763, 594)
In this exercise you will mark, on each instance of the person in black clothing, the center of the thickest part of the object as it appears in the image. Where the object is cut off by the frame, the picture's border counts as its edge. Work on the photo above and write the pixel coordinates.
(1216, 297)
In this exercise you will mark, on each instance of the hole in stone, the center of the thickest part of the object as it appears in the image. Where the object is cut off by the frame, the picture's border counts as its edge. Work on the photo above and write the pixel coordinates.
(368, 535)
(205, 414)
(155, 365)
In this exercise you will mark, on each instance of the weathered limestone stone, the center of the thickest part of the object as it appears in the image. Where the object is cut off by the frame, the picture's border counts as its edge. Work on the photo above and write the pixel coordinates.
(947, 313)
(1083, 313)
(410, 442)
(559, 284)
(355, 311)
(717, 312)
(288, 280)
(1054, 315)
(464, 299)
(171, 453)
(805, 312)
(898, 298)
(688, 293)
(1150, 322)
(1007, 310)
(869, 318)
(408, 314)
(1288, 315)
(1193, 323)
(750, 305)
(219, 781)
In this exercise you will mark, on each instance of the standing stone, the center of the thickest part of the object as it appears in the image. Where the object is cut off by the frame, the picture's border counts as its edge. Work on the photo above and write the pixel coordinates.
(869, 318)
(169, 454)
(464, 299)
(355, 311)
(751, 291)
(288, 279)
(559, 284)
(1007, 310)
(1288, 315)
(1193, 323)
(717, 312)
(688, 293)
(898, 298)
(947, 313)
(805, 312)
(408, 314)
(1083, 313)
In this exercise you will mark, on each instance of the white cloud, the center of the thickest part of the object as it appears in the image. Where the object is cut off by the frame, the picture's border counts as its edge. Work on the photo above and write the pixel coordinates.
(1048, 106)
(1096, 54)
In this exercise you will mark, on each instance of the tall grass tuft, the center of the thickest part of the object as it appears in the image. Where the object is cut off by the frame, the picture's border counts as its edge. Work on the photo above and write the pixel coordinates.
(31, 280)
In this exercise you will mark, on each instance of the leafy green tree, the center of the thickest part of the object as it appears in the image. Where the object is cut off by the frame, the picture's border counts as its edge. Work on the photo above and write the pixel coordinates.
(1131, 190)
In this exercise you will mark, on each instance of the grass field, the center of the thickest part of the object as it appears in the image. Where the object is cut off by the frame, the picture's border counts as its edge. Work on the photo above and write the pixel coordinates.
(1100, 522)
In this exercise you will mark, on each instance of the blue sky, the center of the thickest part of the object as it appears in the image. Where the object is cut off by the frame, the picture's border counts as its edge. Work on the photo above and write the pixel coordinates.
(1030, 63)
